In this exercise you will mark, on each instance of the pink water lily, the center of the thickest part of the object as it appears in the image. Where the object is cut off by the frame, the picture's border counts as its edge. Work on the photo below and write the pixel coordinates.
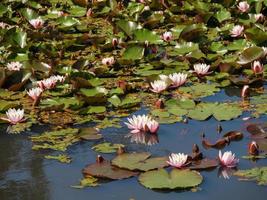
(177, 79)
(58, 78)
(227, 159)
(142, 123)
(37, 23)
(48, 83)
(14, 66)
(257, 67)
(167, 36)
(201, 69)
(243, 6)
(177, 160)
(108, 61)
(237, 31)
(115, 42)
(35, 93)
(245, 91)
(158, 86)
(14, 116)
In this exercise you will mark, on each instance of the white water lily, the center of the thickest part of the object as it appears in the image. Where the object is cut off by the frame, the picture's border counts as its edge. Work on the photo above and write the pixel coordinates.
(167, 36)
(35, 93)
(177, 79)
(237, 31)
(243, 6)
(37, 23)
(158, 86)
(14, 116)
(227, 159)
(201, 69)
(14, 66)
(177, 160)
(108, 61)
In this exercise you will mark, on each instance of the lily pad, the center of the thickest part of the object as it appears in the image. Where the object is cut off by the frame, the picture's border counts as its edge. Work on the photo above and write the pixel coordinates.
(176, 179)
(255, 174)
(107, 147)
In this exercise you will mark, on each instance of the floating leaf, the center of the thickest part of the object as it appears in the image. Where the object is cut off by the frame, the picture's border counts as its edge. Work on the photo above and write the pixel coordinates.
(89, 134)
(61, 158)
(107, 147)
(255, 174)
(88, 181)
(204, 164)
(176, 179)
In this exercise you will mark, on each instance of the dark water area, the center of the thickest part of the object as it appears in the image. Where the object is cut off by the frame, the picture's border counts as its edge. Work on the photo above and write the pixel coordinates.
(26, 175)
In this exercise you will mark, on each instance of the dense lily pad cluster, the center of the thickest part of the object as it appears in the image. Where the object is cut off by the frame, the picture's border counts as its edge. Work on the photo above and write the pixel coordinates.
(71, 62)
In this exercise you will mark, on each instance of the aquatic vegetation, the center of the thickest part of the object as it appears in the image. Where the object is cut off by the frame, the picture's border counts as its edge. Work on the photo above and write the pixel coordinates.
(107, 147)
(227, 159)
(257, 174)
(14, 116)
(35, 93)
(178, 160)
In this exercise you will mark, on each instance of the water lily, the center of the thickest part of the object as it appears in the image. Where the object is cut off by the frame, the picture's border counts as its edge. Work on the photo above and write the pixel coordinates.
(89, 12)
(257, 67)
(58, 78)
(115, 42)
(177, 160)
(167, 36)
(14, 116)
(177, 79)
(164, 77)
(253, 148)
(245, 91)
(158, 86)
(227, 159)
(264, 50)
(14, 66)
(108, 61)
(37, 23)
(142, 123)
(48, 83)
(243, 6)
(237, 31)
(201, 69)
(35, 93)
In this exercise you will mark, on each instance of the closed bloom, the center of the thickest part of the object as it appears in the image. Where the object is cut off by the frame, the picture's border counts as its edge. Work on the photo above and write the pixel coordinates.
(37, 23)
(48, 83)
(257, 67)
(108, 61)
(14, 66)
(158, 86)
(115, 42)
(253, 148)
(14, 116)
(245, 91)
(167, 36)
(243, 6)
(228, 159)
(177, 160)
(201, 69)
(237, 31)
(35, 93)
(178, 79)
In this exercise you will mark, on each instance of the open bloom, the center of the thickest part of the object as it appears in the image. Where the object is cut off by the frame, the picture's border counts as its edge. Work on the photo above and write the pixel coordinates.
(201, 69)
(253, 148)
(14, 116)
(237, 31)
(158, 86)
(142, 123)
(35, 93)
(228, 159)
(58, 78)
(178, 79)
(14, 66)
(37, 23)
(48, 83)
(177, 160)
(257, 67)
(245, 91)
(243, 6)
(108, 61)
(167, 36)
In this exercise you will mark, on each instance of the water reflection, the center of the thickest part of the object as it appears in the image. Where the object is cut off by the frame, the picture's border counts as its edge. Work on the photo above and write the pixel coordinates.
(144, 138)
(225, 172)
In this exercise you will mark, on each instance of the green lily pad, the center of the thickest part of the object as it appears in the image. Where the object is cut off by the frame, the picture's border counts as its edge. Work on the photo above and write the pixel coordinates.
(250, 54)
(89, 133)
(107, 147)
(139, 161)
(258, 174)
(61, 158)
(176, 179)
(88, 181)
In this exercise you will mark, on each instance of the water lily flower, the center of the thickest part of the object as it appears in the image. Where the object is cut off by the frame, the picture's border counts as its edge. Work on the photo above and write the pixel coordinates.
(158, 86)
(243, 6)
(178, 79)
(14, 116)
(35, 93)
(48, 83)
(58, 78)
(164, 77)
(177, 160)
(167, 36)
(14, 66)
(257, 17)
(37, 23)
(115, 42)
(237, 31)
(89, 12)
(142, 123)
(264, 50)
(227, 159)
(253, 148)
(245, 91)
(108, 61)
(201, 69)
(257, 67)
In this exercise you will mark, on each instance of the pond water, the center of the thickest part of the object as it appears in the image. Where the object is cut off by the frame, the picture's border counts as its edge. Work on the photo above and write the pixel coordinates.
(25, 174)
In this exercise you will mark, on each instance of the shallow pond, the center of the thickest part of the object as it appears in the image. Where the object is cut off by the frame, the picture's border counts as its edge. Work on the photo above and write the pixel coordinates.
(25, 174)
